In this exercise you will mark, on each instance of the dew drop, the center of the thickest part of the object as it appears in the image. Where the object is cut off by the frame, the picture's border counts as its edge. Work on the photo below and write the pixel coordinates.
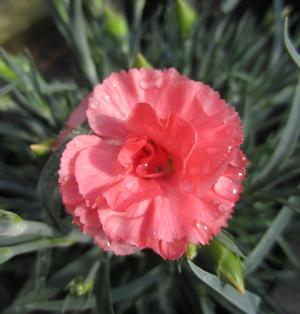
(151, 82)
(106, 97)
(205, 228)
(145, 84)
(240, 174)
(108, 244)
(229, 148)
(114, 84)
(187, 187)
(222, 208)
(234, 191)
(94, 103)
(78, 143)
(65, 178)
(198, 225)
(129, 185)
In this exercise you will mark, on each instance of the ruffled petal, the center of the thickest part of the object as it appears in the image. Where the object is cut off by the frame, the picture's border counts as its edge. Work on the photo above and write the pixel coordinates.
(113, 100)
(173, 134)
(158, 218)
(168, 250)
(214, 150)
(131, 190)
(90, 225)
(96, 169)
(68, 183)
(229, 185)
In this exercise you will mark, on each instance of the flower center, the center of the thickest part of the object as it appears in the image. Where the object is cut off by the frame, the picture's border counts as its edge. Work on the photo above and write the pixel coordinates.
(153, 162)
(145, 158)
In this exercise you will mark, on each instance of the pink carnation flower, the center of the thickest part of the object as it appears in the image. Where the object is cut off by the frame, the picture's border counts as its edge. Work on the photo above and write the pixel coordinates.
(162, 167)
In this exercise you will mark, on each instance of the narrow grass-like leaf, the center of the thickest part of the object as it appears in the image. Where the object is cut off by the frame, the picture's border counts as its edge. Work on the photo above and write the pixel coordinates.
(135, 287)
(78, 28)
(247, 303)
(288, 139)
(256, 257)
(36, 245)
(124, 292)
(102, 289)
(289, 45)
(58, 305)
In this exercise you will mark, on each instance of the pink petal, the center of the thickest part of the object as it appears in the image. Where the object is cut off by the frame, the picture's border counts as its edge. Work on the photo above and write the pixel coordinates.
(109, 107)
(90, 224)
(96, 169)
(68, 184)
(229, 185)
(214, 150)
(126, 226)
(174, 135)
(131, 190)
(159, 218)
(168, 250)
(113, 100)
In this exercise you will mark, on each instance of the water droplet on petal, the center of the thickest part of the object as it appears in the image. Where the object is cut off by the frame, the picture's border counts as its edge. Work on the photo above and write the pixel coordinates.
(78, 143)
(187, 187)
(108, 244)
(155, 81)
(158, 82)
(129, 185)
(223, 208)
(65, 178)
(94, 103)
(114, 84)
(234, 191)
(205, 227)
(229, 148)
(198, 225)
(240, 174)
(145, 84)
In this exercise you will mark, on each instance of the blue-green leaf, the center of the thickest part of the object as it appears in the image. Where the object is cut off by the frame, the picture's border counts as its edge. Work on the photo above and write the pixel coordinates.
(102, 289)
(247, 303)
(255, 258)
(289, 45)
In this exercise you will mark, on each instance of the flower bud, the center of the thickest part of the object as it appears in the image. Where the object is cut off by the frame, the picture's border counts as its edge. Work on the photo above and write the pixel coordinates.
(43, 148)
(191, 251)
(114, 23)
(227, 265)
(141, 62)
(78, 287)
(186, 16)
(11, 225)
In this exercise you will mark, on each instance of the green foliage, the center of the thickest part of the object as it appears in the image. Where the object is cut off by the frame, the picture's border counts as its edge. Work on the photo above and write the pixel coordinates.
(253, 65)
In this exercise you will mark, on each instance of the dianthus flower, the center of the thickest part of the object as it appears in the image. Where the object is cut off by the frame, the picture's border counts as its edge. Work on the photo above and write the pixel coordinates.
(161, 168)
